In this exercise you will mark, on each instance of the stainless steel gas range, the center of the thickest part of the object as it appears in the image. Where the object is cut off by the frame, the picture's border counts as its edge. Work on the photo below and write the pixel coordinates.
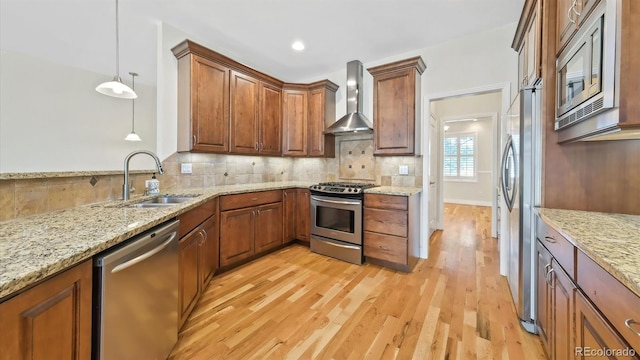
(336, 220)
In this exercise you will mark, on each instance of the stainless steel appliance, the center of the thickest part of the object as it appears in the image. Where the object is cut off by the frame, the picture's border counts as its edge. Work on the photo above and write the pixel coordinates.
(586, 68)
(136, 316)
(354, 121)
(520, 183)
(336, 220)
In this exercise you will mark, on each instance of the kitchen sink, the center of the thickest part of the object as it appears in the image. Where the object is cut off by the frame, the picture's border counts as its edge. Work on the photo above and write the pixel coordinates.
(163, 201)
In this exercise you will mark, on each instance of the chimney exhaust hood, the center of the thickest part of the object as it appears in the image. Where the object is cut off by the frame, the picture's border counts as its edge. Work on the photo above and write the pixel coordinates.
(354, 121)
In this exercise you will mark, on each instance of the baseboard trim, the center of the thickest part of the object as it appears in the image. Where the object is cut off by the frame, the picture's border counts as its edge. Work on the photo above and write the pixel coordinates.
(468, 202)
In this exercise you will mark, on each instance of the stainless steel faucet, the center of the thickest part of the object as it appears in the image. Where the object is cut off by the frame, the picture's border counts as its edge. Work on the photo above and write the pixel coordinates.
(125, 187)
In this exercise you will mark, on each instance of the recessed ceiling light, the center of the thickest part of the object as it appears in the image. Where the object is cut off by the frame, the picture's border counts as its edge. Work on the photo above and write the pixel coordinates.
(297, 45)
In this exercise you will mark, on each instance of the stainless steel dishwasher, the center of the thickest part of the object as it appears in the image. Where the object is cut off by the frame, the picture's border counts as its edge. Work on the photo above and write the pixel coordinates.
(136, 315)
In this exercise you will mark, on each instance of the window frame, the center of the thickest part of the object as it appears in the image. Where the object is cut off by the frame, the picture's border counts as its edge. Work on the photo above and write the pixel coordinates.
(458, 135)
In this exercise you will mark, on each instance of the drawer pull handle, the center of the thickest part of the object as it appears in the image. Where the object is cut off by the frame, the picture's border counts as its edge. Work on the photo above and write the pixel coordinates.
(550, 239)
(383, 247)
(254, 199)
(628, 323)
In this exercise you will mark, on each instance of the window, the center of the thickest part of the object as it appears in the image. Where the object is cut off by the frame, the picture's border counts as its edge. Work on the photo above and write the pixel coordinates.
(460, 156)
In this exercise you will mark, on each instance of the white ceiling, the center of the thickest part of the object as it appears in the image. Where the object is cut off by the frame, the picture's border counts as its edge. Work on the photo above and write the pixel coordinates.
(259, 33)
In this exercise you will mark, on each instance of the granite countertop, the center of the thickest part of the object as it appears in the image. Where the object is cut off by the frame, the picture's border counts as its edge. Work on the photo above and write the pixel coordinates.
(394, 190)
(35, 247)
(611, 240)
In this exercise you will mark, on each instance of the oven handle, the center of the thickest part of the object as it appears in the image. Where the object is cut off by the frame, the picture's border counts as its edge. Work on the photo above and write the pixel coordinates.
(340, 202)
(345, 246)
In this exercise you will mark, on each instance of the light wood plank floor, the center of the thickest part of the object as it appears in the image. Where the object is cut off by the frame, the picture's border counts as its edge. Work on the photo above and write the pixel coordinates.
(295, 304)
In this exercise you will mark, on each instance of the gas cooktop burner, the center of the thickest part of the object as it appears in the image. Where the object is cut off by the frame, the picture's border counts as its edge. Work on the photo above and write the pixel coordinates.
(341, 187)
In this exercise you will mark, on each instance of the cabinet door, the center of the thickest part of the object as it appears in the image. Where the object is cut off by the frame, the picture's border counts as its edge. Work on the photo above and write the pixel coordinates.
(593, 332)
(268, 226)
(522, 64)
(210, 106)
(270, 121)
(51, 320)
(303, 215)
(244, 113)
(237, 233)
(533, 39)
(563, 290)
(188, 280)
(208, 252)
(543, 300)
(394, 113)
(289, 215)
(320, 102)
(565, 23)
(295, 123)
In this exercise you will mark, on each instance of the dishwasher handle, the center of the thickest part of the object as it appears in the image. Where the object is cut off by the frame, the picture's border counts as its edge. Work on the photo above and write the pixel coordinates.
(146, 255)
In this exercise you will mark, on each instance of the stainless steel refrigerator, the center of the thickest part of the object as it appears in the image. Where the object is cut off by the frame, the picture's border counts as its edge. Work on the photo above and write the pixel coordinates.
(520, 181)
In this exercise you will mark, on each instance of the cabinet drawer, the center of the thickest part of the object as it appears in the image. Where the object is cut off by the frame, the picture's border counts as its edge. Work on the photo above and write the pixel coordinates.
(238, 201)
(386, 201)
(613, 299)
(391, 222)
(558, 245)
(385, 247)
(195, 217)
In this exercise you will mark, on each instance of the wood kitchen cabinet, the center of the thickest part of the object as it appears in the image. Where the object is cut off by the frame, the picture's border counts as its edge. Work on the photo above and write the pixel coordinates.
(570, 14)
(256, 115)
(308, 111)
(294, 122)
(198, 256)
(203, 105)
(593, 332)
(391, 230)
(289, 204)
(396, 107)
(251, 224)
(528, 42)
(51, 320)
(303, 215)
(322, 113)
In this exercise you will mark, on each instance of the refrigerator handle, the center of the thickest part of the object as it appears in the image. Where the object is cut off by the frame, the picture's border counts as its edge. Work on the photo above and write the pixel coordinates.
(504, 175)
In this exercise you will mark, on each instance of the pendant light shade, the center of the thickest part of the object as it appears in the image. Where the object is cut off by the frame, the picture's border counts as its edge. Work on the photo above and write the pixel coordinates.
(133, 136)
(116, 87)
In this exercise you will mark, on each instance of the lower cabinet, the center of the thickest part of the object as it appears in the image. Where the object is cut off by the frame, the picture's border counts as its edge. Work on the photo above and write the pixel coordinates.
(593, 333)
(391, 230)
(303, 215)
(289, 207)
(250, 224)
(51, 320)
(198, 257)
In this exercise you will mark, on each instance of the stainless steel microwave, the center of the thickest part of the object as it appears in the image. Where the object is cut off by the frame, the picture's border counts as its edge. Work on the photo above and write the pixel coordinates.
(586, 68)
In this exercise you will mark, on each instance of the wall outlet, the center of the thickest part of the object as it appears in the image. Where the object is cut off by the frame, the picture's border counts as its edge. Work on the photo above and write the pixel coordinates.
(186, 168)
(403, 170)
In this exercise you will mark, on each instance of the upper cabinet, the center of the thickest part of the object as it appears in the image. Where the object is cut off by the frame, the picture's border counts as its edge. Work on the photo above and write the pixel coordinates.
(527, 42)
(226, 107)
(396, 107)
(308, 111)
(570, 15)
(256, 115)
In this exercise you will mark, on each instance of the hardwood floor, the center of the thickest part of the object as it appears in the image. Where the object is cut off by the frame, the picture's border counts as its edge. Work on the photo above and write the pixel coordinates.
(295, 304)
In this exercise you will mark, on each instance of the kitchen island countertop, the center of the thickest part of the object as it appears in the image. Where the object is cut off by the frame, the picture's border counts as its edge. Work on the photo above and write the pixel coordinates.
(611, 240)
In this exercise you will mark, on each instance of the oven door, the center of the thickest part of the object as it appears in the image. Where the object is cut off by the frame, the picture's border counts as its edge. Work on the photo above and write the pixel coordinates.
(337, 218)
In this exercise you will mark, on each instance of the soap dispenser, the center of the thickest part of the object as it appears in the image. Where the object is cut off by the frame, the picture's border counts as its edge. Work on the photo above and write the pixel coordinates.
(154, 185)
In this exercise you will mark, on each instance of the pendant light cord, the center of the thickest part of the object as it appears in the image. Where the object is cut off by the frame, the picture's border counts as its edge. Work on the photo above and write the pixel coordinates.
(133, 102)
(117, 44)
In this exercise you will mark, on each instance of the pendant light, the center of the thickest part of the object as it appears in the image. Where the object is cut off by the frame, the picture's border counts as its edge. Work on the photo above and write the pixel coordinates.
(116, 87)
(133, 136)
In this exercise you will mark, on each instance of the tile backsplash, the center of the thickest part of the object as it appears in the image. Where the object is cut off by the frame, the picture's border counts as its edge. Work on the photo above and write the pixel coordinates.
(24, 197)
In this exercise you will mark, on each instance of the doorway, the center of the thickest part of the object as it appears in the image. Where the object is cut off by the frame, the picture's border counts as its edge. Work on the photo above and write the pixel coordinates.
(433, 169)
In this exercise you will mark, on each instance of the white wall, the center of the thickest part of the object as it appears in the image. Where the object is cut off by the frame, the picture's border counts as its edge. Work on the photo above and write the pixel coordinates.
(52, 119)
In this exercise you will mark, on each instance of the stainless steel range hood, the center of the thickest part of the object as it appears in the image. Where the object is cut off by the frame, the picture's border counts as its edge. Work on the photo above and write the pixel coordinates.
(354, 121)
